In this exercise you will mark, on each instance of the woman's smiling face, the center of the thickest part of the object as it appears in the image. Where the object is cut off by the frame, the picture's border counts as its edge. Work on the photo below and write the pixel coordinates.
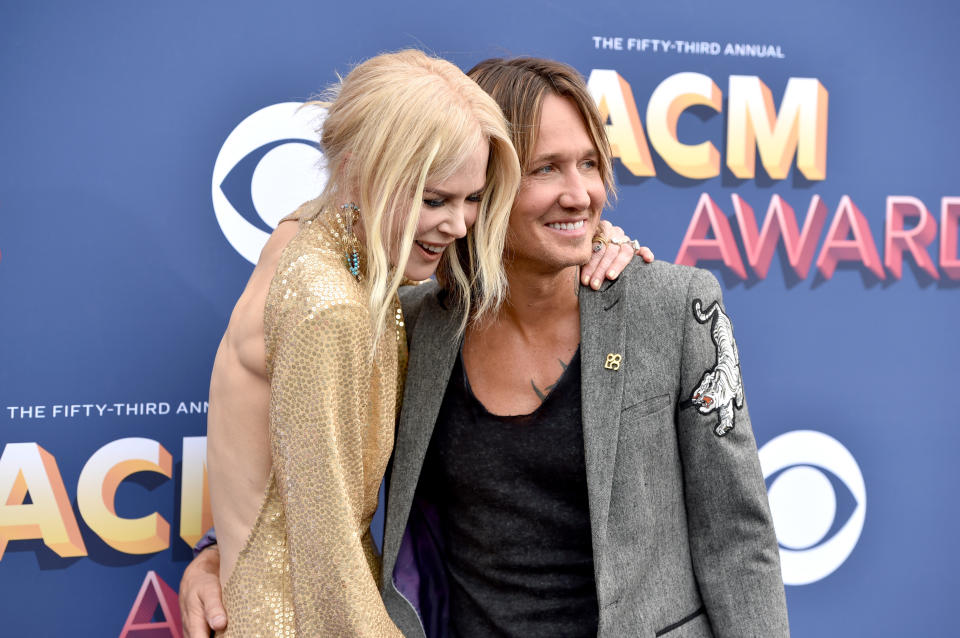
(448, 211)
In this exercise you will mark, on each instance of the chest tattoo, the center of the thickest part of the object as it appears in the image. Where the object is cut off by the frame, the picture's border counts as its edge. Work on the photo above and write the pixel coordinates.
(542, 394)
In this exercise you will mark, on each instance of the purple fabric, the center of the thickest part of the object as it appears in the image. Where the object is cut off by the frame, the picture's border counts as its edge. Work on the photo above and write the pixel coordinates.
(420, 573)
(209, 539)
(406, 575)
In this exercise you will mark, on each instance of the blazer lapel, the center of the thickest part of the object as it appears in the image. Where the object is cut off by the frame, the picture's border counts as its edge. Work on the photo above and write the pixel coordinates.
(603, 361)
(433, 352)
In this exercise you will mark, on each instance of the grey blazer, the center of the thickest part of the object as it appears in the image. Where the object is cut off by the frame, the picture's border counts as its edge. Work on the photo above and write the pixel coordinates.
(683, 540)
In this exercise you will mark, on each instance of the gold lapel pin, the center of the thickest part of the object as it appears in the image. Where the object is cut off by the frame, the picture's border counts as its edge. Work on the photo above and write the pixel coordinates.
(613, 361)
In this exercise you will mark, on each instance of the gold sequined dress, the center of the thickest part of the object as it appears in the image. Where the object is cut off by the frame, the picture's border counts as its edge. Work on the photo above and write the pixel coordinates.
(309, 566)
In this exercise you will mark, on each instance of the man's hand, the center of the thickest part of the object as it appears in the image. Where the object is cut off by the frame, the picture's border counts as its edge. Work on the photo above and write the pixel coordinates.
(201, 604)
(612, 258)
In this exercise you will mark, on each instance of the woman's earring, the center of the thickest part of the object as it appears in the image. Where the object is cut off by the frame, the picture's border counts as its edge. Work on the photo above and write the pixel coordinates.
(351, 212)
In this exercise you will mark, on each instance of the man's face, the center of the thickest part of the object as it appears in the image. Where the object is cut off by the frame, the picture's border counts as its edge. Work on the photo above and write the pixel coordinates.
(558, 207)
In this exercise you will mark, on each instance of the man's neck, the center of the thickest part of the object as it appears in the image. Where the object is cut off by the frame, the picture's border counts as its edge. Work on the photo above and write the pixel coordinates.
(539, 303)
(516, 357)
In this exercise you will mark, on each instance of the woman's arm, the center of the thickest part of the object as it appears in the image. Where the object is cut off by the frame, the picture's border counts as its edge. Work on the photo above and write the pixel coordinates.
(318, 420)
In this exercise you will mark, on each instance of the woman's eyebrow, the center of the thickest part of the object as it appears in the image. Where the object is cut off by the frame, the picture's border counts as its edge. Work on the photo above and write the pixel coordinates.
(444, 194)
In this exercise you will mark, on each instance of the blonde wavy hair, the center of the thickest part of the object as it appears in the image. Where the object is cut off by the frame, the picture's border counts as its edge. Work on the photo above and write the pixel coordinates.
(394, 123)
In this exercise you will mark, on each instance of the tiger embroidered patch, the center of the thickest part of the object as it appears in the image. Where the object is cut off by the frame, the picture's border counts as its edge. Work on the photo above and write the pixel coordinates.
(721, 388)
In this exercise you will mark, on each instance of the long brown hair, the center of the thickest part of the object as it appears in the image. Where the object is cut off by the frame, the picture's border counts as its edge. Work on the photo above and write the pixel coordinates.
(519, 85)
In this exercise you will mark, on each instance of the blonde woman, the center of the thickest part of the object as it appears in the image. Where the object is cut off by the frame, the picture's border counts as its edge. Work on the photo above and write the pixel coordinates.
(308, 377)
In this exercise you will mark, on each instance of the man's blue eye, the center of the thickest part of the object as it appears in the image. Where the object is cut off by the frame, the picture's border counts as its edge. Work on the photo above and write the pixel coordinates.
(434, 203)
(544, 169)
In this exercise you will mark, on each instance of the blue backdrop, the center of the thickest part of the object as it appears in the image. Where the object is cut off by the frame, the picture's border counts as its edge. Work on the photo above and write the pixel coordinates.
(122, 253)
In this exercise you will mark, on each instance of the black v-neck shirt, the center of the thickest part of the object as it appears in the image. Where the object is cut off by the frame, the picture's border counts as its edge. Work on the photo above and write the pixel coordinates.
(511, 493)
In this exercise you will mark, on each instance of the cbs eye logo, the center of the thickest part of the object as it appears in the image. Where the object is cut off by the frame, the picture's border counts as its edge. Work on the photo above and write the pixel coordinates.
(818, 500)
(266, 168)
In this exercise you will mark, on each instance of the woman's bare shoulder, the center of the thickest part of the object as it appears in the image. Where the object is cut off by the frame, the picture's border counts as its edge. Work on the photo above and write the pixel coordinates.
(278, 240)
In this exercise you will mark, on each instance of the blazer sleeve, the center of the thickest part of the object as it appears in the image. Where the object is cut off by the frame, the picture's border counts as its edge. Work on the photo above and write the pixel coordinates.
(732, 540)
(318, 413)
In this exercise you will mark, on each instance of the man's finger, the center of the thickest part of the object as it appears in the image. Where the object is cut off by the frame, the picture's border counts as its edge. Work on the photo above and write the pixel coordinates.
(216, 615)
(194, 623)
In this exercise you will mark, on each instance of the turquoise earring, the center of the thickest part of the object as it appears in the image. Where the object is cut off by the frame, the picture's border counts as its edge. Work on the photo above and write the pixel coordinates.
(351, 212)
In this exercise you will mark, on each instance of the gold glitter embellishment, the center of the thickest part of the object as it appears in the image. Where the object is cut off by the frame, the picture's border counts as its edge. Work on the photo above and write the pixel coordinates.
(309, 567)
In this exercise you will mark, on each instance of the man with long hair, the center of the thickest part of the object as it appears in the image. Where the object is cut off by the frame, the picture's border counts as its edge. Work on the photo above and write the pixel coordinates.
(590, 468)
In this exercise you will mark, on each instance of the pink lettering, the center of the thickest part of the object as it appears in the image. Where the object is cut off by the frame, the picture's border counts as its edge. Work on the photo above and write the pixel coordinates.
(837, 247)
(913, 240)
(697, 246)
(780, 222)
(949, 221)
(154, 594)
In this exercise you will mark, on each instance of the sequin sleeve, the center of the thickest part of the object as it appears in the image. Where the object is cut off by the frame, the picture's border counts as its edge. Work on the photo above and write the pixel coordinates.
(320, 404)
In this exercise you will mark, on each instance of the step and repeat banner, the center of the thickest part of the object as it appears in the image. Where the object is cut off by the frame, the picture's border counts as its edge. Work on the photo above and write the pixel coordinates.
(806, 154)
